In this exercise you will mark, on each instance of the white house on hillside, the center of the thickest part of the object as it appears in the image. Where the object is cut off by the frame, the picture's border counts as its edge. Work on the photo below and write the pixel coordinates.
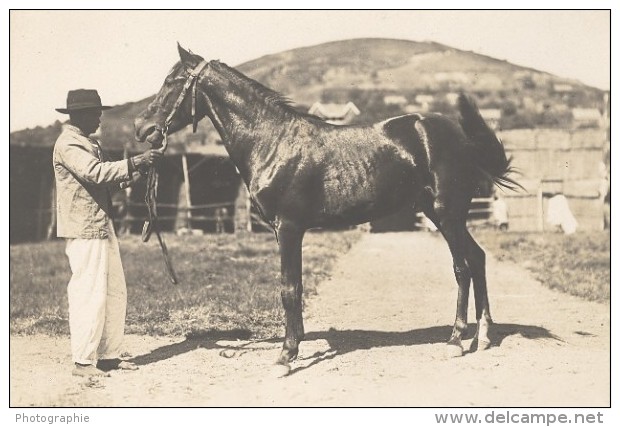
(394, 100)
(492, 116)
(452, 97)
(562, 88)
(337, 114)
(425, 101)
(587, 117)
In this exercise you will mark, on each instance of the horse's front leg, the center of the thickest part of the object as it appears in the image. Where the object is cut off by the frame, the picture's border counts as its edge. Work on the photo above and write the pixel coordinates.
(290, 240)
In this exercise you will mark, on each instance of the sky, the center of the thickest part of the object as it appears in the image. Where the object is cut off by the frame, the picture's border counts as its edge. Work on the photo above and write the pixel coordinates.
(125, 54)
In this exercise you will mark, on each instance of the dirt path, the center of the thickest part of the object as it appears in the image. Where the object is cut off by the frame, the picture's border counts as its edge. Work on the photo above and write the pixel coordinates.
(375, 337)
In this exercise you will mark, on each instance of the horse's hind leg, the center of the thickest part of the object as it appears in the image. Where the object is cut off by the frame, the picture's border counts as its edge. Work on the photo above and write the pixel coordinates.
(452, 227)
(476, 259)
(290, 241)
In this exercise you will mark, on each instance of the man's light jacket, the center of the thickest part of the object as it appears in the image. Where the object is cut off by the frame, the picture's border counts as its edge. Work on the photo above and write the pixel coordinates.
(83, 184)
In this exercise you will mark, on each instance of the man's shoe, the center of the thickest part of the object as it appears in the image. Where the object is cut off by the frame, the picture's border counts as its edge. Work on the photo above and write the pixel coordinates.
(88, 371)
(116, 364)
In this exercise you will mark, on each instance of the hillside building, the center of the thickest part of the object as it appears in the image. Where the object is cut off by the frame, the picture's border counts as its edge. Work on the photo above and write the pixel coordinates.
(452, 98)
(414, 108)
(587, 118)
(399, 100)
(563, 88)
(425, 101)
(492, 116)
(337, 114)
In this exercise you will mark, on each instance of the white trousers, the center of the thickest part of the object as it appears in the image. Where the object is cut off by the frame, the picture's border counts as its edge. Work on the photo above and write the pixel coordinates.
(97, 298)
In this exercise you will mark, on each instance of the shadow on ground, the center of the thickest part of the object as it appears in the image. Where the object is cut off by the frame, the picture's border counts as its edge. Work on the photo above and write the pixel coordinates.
(340, 342)
(205, 339)
(346, 341)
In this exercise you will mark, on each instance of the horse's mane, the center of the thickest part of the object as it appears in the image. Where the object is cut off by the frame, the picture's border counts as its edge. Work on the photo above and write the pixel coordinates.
(270, 96)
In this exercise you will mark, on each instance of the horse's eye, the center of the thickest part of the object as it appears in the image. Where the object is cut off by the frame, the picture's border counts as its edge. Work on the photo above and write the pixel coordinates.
(153, 107)
(171, 72)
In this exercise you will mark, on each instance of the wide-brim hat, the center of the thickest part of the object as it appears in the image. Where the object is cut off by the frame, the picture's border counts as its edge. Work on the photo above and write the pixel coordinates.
(82, 99)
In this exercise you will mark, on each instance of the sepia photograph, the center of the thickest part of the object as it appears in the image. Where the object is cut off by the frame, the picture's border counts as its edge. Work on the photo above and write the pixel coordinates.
(310, 209)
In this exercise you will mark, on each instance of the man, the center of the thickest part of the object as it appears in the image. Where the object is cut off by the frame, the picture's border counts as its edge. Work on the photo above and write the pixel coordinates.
(559, 214)
(221, 214)
(500, 212)
(84, 180)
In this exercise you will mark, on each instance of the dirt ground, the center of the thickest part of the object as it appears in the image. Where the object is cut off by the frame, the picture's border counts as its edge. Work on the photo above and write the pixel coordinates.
(375, 336)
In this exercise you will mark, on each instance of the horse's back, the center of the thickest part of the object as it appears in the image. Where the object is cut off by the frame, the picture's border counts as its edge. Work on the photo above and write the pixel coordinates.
(423, 133)
(356, 173)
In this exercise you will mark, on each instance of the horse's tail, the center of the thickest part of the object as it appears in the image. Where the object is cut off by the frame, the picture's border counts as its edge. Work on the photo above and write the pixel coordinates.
(487, 149)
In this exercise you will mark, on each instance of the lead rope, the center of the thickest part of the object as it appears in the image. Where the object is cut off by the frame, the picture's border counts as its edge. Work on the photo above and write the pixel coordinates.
(150, 198)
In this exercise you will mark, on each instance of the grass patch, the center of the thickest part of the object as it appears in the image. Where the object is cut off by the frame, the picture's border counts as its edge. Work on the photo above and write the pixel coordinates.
(578, 264)
(226, 283)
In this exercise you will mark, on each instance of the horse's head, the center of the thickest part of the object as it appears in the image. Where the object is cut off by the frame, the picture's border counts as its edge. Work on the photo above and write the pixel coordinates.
(173, 108)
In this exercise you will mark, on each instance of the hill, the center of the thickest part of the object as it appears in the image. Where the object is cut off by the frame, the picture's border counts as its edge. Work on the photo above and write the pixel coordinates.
(398, 66)
(421, 75)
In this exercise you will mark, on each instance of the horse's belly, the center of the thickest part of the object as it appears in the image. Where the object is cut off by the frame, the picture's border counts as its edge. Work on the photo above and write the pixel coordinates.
(356, 195)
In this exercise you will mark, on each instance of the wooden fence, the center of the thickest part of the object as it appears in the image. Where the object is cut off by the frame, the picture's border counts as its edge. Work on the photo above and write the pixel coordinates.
(480, 215)
(187, 215)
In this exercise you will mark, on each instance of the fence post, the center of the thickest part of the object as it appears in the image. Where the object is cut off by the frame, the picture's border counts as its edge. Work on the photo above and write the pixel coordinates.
(188, 198)
(40, 208)
(243, 219)
(52, 224)
(248, 206)
(539, 206)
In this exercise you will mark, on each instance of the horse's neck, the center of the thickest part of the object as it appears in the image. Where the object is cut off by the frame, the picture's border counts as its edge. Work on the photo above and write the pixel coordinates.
(245, 120)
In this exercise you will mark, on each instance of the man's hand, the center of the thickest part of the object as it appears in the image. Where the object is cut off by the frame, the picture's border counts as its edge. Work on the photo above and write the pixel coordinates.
(135, 177)
(147, 159)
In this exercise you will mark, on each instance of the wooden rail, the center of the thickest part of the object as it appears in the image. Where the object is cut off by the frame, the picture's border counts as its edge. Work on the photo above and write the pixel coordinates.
(480, 215)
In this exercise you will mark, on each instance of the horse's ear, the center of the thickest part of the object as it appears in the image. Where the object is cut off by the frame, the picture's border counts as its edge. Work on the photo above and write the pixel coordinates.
(186, 56)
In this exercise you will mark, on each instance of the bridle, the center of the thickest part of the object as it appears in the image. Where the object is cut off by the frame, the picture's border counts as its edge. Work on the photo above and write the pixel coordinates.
(192, 80)
(152, 181)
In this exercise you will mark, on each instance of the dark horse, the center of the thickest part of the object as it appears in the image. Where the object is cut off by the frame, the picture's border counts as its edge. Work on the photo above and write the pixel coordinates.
(303, 173)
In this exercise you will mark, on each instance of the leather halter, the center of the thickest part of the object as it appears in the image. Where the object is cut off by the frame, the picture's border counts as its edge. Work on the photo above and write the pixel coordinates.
(192, 79)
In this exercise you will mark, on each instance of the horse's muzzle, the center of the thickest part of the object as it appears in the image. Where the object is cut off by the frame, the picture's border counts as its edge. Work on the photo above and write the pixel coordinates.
(150, 134)
(155, 138)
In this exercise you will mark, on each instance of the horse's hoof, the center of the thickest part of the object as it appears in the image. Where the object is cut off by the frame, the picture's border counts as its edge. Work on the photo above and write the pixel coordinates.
(484, 344)
(279, 370)
(454, 350)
